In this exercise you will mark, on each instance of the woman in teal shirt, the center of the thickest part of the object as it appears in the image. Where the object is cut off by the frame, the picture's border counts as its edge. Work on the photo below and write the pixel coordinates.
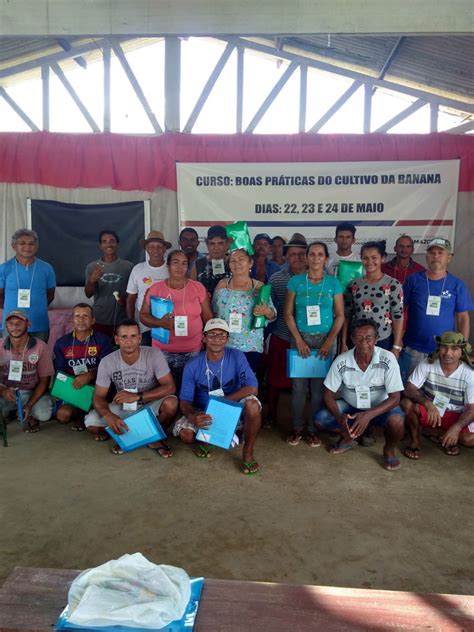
(314, 313)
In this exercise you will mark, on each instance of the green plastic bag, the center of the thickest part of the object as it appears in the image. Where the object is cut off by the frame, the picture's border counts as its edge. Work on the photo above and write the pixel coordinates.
(348, 270)
(239, 234)
(265, 291)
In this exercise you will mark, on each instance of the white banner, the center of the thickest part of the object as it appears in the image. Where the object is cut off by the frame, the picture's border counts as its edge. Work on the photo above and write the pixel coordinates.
(382, 199)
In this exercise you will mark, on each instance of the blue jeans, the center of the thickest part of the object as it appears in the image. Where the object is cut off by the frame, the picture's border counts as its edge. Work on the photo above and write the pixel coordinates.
(324, 419)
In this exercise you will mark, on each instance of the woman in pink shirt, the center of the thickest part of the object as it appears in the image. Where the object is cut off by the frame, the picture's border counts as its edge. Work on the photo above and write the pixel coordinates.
(191, 309)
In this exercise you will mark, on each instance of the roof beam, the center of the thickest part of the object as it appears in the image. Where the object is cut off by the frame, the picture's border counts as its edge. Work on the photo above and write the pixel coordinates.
(66, 45)
(240, 89)
(359, 76)
(135, 85)
(75, 97)
(76, 51)
(210, 83)
(274, 92)
(461, 129)
(391, 55)
(401, 116)
(303, 98)
(14, 106)
(45, 96)
(336, 106)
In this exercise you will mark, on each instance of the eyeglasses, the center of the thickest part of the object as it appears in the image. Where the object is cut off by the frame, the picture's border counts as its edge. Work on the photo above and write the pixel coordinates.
(362, 338)
(216, 336)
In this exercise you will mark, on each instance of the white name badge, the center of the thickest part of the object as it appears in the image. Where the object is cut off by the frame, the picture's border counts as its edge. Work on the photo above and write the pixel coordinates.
(24, 298)
(79, 369)
(235, 323)
(16, 370)
(180, 325)
(218, 266)
(433, 306)
(313, 315)
(131, 405)
(363, 396)
(441, 402)
(218, 392)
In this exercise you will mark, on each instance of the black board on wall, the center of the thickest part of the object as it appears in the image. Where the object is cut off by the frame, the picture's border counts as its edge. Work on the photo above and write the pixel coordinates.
(68, 234)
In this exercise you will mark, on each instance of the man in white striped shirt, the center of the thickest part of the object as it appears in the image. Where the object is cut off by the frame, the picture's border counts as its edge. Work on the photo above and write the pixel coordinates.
(439, 396)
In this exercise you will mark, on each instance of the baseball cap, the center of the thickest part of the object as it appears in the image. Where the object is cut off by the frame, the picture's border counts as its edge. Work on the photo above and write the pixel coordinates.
(18, 313)
(217, 231)
(263, 236)
(439, 242)
(216, 323)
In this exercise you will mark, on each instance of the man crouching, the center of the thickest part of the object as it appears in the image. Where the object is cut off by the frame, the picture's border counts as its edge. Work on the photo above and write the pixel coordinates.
(223, 372)
(141, 376)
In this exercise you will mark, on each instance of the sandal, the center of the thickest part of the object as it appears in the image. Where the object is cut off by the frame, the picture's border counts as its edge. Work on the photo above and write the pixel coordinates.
(294, 438)
(32, 426)
(100, 436)
(314, 441)
(391, 463)
(162, 450)
(451, 450)
(249, 468)
(412, 453)
(203, 451)
(116, 449)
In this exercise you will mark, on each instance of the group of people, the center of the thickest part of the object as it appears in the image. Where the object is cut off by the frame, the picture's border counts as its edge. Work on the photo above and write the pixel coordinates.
(397, 314)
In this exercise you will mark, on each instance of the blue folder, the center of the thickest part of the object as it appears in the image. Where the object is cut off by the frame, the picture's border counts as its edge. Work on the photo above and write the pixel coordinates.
(143, 428)
(225, 417)
(312, 366)
(159, 307)
(186, 624)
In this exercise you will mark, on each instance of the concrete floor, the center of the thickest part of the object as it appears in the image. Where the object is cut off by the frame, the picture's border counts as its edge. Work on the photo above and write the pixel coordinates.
(307, 517)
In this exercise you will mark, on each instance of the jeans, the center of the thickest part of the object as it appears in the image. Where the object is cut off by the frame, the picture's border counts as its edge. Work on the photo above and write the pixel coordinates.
(300, 388)
(41, 411)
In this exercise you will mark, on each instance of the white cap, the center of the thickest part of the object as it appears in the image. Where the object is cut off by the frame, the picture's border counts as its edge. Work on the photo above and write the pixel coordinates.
(216, 323)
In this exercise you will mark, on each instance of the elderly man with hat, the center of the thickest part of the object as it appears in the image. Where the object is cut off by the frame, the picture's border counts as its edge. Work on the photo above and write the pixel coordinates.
(439, 395)
(144, 274)
(223, 372)
(106, 282)
(26, 367)
(263, 268)
(280, 339)
(436, 301)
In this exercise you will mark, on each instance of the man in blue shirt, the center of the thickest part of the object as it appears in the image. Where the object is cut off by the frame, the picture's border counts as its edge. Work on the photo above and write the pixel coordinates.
(78, 354)
(223, 372)
(262, 268)
(28, 283)
(436, 301)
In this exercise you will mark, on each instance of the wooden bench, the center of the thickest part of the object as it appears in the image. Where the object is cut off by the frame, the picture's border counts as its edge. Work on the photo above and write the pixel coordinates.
(32, 599)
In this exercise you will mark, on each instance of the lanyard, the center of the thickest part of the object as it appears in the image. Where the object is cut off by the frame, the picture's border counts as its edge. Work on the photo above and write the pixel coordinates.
(26, 268)
(307, 290)
(208, 370)
(137, 377)
(428, 284)
(85, 346)
(23, 352)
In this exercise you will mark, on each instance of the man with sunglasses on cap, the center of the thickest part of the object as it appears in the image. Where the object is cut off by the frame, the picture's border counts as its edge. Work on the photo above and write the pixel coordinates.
(439, 396)
(263, 268)
(211, 269)
(26, 367)
(143, 275)
(223, 372)
(436, 301)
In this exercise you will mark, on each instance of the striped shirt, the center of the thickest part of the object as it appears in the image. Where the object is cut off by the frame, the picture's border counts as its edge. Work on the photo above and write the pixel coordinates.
(459, 386)
(279, 281)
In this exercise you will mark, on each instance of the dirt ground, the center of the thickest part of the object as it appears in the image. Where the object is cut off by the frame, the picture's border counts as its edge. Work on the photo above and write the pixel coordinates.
(307, 517)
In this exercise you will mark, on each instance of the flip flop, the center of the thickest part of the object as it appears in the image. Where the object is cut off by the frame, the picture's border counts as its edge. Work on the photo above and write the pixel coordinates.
(163, 450)
(32, 428)
(101, 436)
(203, 451)
(341, 447)
(294, 438)
(452, 450)
(391, 463)
(314, 441)
(250, 468)
(412, 453)
(78, 428)
(116, 449)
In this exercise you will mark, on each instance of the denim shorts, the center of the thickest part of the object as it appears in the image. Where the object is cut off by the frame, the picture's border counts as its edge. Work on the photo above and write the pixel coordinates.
(327, 421)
